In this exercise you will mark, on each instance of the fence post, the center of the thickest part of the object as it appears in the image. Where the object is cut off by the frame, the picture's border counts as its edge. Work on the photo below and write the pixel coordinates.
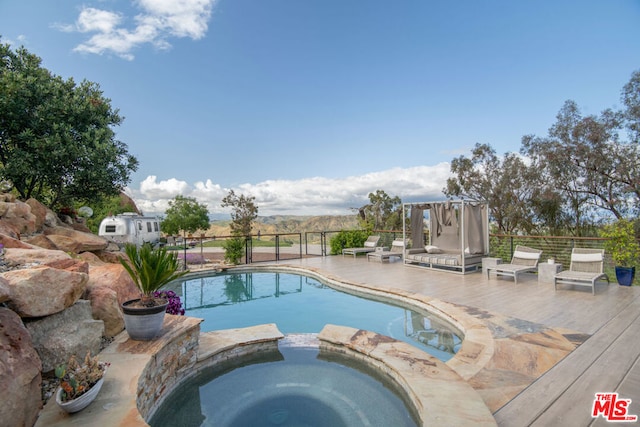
(248, 250)
(323, 243)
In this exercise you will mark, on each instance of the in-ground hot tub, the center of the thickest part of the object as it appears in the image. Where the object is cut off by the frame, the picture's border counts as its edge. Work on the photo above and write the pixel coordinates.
(299, 385)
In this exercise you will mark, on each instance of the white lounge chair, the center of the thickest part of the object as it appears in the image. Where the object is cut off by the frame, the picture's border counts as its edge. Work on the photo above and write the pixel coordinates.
(587, 267)
(524, 260)
(369, 246)
(397, 249)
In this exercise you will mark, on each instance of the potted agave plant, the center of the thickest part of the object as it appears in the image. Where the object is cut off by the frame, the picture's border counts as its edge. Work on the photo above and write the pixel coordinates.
(79, 382)
(150, 270)
(623, 245)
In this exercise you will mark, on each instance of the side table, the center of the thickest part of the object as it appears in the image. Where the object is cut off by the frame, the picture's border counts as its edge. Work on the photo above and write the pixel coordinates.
(490, 262)
(546, 272)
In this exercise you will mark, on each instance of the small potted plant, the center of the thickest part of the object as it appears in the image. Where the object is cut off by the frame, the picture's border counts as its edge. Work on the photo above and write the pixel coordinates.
(623, 246)
(150, 270)
(79, 382)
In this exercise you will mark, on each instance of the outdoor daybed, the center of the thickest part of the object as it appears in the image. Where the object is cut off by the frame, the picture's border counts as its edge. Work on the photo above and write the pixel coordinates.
(458, 235)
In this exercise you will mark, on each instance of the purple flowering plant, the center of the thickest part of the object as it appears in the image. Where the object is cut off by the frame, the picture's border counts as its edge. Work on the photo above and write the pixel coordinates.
(175, 305)
(193, 258)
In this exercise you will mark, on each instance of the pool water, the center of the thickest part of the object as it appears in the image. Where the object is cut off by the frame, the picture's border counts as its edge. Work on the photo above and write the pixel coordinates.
(300, 304)
(295, 386)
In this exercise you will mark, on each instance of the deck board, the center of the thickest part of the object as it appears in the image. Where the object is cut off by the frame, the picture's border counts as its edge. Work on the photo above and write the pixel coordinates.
(568, 389)
(608, 361)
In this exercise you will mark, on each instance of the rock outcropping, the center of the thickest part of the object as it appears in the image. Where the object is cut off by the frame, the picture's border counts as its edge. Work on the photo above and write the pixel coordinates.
(60, 294)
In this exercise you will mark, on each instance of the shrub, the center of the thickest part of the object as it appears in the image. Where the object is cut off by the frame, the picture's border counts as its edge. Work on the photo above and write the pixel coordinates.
(233, 250)
(348, 239)
(621, 242)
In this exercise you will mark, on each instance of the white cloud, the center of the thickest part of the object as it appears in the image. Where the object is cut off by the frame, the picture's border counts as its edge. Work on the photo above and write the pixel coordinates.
(308, 196)
(157, 21)
(151, 189)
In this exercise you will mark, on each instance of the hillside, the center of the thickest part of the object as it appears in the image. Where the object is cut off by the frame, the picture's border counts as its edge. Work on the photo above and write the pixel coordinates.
(290, 224)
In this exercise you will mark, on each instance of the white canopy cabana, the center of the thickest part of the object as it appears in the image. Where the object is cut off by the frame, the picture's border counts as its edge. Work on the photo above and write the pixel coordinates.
(458, 235)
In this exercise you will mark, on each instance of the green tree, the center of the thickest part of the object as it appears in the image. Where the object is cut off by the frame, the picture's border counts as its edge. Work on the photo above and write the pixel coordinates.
(111, 205)
(506, 183)
(243, 212)
(185, 214)
(586, 161)
(57, 142)
(382, 213)
(631, 99)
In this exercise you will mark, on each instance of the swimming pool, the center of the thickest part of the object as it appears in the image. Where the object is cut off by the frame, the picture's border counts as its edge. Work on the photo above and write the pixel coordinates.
(301, 304)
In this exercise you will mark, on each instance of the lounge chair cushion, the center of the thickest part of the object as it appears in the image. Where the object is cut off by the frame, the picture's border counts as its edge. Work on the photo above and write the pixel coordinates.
(587, 257)
(433, 249)
(369, 244)
(526, 255)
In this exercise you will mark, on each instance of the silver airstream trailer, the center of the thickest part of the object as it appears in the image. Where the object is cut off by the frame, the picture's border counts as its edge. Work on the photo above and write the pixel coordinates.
(130, 227)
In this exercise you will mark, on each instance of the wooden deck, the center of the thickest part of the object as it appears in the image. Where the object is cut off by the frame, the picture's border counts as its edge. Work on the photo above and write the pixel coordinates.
(608, 361)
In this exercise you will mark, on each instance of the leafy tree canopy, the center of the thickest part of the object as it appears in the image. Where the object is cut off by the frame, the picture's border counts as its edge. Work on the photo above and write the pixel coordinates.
(112, 205)
(382, 213)
(506, 183)
(583, 172)
(185, 214)
(243, 212)
(57, 142)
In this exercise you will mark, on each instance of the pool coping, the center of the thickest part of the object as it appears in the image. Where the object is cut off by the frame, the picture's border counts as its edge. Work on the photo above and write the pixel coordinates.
(119, 401)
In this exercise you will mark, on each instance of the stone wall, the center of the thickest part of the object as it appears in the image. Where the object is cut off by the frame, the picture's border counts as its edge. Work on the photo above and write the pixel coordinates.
(167, 367)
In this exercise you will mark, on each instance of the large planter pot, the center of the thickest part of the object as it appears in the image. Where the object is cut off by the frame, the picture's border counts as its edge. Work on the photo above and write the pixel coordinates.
(625, 275)
(143, 323)
(79, 403)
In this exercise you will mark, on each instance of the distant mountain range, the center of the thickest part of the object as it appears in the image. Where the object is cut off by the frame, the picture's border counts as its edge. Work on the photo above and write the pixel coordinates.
(290, 224)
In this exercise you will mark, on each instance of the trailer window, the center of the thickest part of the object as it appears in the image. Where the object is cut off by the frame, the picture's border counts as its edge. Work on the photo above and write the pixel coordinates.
(110, 228)
(149, 227)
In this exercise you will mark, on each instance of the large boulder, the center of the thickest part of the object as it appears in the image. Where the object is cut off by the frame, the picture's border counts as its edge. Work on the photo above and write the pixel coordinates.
(43, 215)
(18, 214)
(41, 241)
(4, 290)
(43, 291)
(9, 229)
(71, 264)
(115, 277)
(109, 286)
(81, 226)
(20, 368)
(112, 257)
(65, 243)
(10, 241)
(75, 241)
(105, 306)
(91, 258)
(33, 257)
(72, 331)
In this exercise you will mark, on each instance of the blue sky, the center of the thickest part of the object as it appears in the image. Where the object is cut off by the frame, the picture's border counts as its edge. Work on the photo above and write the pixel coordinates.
(309, 105)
